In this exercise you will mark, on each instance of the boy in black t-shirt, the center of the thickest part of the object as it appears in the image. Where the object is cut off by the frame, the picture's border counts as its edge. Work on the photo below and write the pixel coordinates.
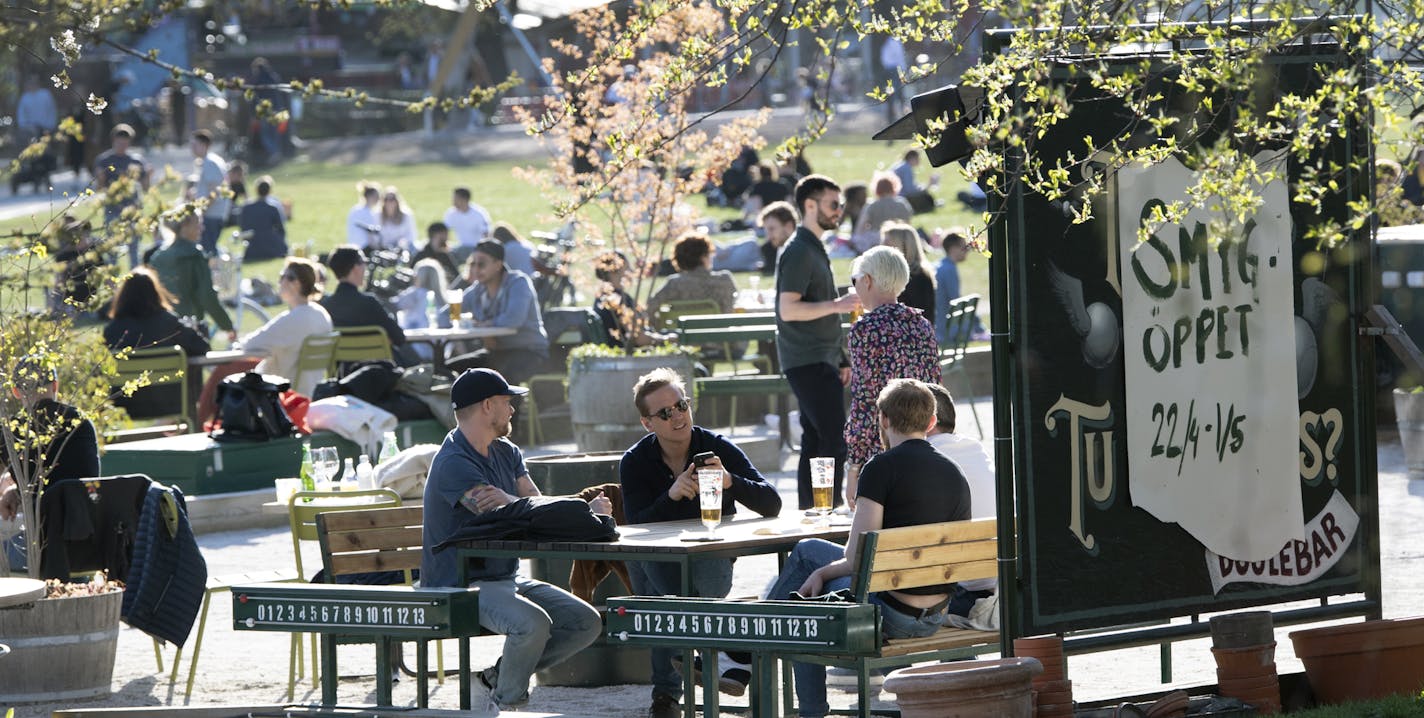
(907, 485)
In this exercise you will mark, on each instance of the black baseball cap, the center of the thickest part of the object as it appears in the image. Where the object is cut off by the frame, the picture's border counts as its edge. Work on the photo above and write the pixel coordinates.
(476, 385)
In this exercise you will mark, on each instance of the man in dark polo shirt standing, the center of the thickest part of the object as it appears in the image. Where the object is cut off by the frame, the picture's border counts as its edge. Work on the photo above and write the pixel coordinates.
(809, 342)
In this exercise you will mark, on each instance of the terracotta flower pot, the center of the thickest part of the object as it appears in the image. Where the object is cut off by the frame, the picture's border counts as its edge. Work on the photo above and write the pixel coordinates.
(1249, 661)
(1234, 686)
(1360, 661)
(1054, 669)
(1242, 630)
(965, 689)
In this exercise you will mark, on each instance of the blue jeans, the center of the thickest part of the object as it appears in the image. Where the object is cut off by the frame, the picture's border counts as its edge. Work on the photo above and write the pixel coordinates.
(710, 579)
(809, 555)
(212, 229)
(542, 626)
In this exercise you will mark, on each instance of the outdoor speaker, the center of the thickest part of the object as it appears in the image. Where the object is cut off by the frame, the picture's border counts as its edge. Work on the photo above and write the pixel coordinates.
(959, 105)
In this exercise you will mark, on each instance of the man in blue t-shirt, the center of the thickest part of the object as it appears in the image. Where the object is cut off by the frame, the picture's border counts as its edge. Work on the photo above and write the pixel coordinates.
(478, 469)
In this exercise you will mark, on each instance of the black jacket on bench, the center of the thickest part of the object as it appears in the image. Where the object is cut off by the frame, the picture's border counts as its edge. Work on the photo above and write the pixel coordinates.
(535, 518)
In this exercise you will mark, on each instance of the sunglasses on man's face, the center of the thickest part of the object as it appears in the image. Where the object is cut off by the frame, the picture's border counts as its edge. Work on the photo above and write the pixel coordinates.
(682, 407)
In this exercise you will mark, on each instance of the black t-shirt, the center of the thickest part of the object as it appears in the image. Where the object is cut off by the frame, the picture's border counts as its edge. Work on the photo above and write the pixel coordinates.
(917, 485)
(920, 294)
(73, 449)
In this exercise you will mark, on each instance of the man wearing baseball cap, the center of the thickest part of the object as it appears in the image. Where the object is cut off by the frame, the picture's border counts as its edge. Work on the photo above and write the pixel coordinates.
(479, 469)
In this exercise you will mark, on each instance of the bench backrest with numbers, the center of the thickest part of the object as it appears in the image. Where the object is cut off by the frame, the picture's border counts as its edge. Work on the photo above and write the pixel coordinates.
(887, 560)
(387, 614)
(778, 626)
(397, 612)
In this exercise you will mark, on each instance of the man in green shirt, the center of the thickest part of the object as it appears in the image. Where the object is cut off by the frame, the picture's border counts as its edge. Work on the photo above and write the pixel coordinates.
(184, 271)
(809, 341)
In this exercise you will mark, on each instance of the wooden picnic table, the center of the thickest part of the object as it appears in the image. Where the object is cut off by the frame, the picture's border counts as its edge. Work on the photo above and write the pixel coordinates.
(679, 542)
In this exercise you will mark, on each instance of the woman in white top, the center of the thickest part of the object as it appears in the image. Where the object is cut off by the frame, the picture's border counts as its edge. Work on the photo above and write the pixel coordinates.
(280, 340)
(397, 222)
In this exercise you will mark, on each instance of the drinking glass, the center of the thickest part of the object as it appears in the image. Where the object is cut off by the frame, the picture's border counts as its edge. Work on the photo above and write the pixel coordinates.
(823, 482)
(709, 490)
(455, 299)
(326, 464)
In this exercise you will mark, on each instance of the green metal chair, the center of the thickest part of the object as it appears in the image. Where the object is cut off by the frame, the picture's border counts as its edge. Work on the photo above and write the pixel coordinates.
(363, 343)
(954, 345)
(160, 366)
(317, 353)
(591, 331)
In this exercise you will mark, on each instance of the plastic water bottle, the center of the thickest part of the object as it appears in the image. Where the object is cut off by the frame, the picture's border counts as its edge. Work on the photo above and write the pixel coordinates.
(348, 475)
(389, 448)
(365, 474)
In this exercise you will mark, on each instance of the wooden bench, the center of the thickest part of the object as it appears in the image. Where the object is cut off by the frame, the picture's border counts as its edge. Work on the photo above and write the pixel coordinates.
(375, 541)
(911, 557)
(722, 321)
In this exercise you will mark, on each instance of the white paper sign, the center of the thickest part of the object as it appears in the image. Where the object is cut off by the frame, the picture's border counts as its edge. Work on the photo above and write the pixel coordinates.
(1209, 353)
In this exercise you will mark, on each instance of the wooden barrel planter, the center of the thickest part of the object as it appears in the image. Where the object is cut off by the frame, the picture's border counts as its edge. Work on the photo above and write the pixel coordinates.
(61, 649)
(601, 398)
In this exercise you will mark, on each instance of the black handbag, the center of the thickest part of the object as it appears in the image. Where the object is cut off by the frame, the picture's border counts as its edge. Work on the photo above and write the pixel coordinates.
(249, 408)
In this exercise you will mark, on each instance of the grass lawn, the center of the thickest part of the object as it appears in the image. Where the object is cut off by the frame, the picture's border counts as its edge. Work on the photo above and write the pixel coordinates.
(322, 192)
(1397, 706)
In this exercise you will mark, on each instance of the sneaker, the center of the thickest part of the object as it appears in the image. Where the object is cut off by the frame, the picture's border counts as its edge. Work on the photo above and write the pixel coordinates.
(664, 706)
(735, 676)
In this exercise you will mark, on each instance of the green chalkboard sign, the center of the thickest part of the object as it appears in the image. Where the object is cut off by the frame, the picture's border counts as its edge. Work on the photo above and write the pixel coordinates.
(1192, 414)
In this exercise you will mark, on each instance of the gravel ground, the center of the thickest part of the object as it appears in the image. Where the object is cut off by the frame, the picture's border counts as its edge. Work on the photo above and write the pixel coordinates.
(251, 668)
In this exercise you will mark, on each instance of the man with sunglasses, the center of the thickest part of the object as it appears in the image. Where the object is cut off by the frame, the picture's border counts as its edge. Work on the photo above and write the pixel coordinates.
(659, 479)
(809, 341)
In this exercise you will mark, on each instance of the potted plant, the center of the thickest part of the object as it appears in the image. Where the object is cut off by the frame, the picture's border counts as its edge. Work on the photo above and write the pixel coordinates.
(39, 344)
(625, 157)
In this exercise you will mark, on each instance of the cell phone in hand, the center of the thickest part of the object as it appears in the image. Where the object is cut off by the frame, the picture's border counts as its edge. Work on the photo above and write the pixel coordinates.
(702, 458)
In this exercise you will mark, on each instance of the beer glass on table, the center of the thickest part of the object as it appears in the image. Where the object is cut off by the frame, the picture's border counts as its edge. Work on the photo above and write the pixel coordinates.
(709, 491)
(455, 299)
(823, 482)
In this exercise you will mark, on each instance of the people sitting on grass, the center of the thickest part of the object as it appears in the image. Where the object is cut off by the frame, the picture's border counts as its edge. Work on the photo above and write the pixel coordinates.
(363, 223)
(265, 218)
(888, 206)
(659, 481)
(909, 484)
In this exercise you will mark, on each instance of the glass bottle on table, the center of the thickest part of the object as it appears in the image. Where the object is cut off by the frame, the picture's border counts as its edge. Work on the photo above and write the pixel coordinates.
(305, 472)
